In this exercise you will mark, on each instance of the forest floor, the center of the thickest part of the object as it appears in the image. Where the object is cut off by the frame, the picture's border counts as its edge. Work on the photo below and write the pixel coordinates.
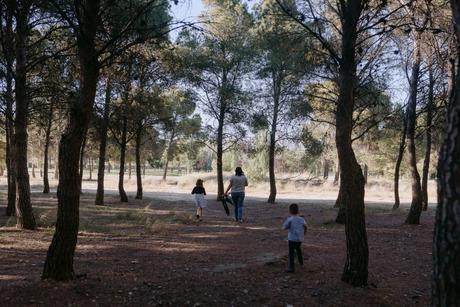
(153, 252)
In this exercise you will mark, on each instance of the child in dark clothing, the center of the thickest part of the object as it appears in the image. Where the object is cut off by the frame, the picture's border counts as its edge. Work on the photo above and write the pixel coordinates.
(297, 228)
(200, 201)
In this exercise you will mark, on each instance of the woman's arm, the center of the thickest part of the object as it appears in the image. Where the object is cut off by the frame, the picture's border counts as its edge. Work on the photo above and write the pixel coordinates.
(228, 188)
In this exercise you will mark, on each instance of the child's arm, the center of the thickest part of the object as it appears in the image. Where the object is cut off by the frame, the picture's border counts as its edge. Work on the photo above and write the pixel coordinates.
(286, 224)
(304, 229)
(193, 191)
(204, 191)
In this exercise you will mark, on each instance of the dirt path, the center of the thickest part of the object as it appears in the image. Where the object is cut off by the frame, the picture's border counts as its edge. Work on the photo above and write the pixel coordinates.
(169, 259)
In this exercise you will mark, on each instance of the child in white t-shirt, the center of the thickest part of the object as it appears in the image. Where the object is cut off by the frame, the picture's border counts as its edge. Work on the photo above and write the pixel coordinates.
(297, 228)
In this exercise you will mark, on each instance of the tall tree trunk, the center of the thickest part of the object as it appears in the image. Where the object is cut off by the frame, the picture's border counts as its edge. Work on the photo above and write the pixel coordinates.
(121, 174)
(59, 260)
(129, 169)
(272, 145)
(169, 153)
(90, 168)
(24, 214)
(9, 129)
(56, 164)
(46, 184)
(82, 159)
(219, 154)
(428, 123)
(365, 173)
(138, 161)
(109, 166)
(416, 206)
(356, 266)
(325, 169)
(446, 247)
(402, 146)
(337, 174)
(103, 144)
(33, 169)
(341, 214)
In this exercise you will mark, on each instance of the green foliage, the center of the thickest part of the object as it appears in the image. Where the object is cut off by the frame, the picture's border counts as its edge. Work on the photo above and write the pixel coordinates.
(257, 164)
(313, 147)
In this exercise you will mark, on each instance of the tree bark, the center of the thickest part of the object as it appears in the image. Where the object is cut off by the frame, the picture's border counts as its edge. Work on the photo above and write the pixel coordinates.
(129, 169)
(325, 169)
(337, 174)
(402, 146)
(416, 206)
(365, 173)
(219, 154)
(168, 154)
(103, 144)
(121, 174)
(46, 184)
(24, 214)
(82, 157)
(59, 260)
(90, 168)
(138, 161)
(356, 266)
(56, 164)
(341, 214)
(272, 145)
(428, 123)
(446, 247)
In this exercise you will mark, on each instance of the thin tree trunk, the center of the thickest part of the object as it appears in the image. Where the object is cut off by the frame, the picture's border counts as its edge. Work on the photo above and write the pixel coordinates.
(325, 169)
(356, 266)
(109, 166)
(446, 247)
(337, 174)
(416, 206)
(129, 169)
(272, 146)
(46, 184)
(220, 175)
(24, 214)
(121, 175)
(90, 168)
(168, 154)
(138, 161)
(59, 260)
(56, 164)
(402, 146)
(365, 173)
(428, 122)
(103, 144)
(33, 170)
(82, 161)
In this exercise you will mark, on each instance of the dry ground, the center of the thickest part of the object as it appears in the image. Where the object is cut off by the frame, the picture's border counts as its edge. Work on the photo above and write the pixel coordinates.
(153, 253)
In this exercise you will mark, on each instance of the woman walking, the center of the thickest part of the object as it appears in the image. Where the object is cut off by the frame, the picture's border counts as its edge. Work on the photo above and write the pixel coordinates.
(237, 184)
